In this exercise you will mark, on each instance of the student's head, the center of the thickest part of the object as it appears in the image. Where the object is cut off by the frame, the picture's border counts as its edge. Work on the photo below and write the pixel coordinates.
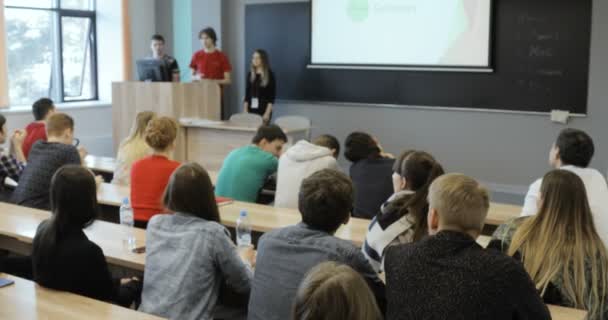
(161, 133)
(330, 142)
(337, 292)
(157, 44)
(415, 171)
(138, 129)
(73, 197)
(260, 59)
(190, 191)
(270, 138)
(260, 62)
(562, 239)
(208, 38)
(43, 108)
(457, 203)
(326, 200)
(60, 128)
(2, 129)
(359, 146)
(572, 147)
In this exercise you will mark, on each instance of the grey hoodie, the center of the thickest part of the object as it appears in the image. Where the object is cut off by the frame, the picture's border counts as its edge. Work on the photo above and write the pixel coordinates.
(299, 162)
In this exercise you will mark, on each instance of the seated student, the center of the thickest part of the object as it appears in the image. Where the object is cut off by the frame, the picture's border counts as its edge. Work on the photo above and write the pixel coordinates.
(11, 164)
(337, 292)
(133, 148)
(448, 275)
(573, 151)
(42, 110)
(285, 255)
(560, 247)
(246, 169)
(63, 258)
(150, 175)
(300, 161)
(402, 218)
(371, 172)
(189, 253)
(46, 157)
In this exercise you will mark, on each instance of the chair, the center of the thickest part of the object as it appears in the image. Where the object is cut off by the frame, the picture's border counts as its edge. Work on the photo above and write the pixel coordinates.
(247, 119)
(294, 123)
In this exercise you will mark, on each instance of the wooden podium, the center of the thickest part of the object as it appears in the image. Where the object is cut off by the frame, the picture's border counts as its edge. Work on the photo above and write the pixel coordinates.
(178, 100)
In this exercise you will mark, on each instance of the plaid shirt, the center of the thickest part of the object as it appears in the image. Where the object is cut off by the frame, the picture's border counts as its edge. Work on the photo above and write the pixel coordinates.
(10, 167)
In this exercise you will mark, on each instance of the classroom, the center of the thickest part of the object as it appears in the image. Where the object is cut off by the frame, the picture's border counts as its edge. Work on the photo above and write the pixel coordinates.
(303, 159)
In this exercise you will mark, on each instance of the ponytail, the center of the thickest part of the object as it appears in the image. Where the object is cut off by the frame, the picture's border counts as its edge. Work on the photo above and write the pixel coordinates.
(419, 169)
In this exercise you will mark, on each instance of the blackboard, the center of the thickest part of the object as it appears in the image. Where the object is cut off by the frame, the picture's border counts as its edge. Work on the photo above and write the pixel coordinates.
(540, 58)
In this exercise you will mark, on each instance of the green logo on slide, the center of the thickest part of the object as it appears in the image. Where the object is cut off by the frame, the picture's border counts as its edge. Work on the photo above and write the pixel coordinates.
(358, 10)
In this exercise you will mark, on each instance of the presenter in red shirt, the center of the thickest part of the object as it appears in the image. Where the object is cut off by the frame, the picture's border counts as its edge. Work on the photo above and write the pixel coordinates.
(210, 63)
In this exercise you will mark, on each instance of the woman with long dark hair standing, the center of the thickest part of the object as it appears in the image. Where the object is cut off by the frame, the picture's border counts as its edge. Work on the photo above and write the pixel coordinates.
(261, 86)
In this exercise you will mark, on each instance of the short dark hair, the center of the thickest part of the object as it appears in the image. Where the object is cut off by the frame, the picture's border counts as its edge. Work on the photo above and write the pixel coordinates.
(42, 107)
(359, 146)
(270, 132)
(158, 37)
(210, 32)
(190, 191)
(575, 147)
(328, 141)
(2, 121)
(326, 200)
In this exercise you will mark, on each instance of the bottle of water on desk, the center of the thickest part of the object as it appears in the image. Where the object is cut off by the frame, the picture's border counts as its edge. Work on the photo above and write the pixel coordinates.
(126, 219)
(243, 230)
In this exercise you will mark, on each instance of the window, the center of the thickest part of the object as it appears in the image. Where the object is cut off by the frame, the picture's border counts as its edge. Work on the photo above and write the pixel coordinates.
(51, 48)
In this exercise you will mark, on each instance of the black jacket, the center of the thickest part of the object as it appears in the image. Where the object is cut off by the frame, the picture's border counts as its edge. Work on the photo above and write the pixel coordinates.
(265, 94)
(372, 179)
(76, 265)
(449, 276)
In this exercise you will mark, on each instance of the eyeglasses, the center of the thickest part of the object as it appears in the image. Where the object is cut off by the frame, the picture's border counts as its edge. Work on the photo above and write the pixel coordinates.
(76, 142)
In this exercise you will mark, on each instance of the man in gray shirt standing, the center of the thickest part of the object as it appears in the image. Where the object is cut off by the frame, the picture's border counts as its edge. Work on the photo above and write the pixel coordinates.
(286, 255)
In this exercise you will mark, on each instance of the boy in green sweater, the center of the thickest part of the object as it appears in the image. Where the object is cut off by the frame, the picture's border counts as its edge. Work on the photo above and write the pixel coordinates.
(245, 170)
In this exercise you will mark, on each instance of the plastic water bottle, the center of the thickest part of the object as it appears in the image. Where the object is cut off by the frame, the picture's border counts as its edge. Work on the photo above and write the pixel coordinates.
(126, 218)
(243, 230)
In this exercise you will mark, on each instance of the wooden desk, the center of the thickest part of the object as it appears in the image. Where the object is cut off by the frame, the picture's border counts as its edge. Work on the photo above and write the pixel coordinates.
(209, 142)
(500, 213)
(266, 218)
(200, 99)
(561, 313)
(100, 164)
(112, 195)
(483, 240)
(18, 227)
(26, 300)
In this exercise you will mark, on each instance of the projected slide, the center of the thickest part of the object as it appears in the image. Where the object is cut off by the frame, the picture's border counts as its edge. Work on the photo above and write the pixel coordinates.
(436, 33)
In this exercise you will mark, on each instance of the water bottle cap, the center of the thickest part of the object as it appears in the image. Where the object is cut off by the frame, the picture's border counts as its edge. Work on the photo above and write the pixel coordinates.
(243, 213)
(125, 201)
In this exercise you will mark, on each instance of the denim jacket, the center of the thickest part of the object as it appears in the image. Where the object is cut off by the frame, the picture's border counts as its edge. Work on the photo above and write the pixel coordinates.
(187, 258)
(286, 255)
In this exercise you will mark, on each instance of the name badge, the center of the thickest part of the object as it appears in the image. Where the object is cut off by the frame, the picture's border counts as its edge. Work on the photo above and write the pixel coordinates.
(255, 103)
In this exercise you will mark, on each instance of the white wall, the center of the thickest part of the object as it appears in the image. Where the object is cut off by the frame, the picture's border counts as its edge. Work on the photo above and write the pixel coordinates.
(93, 124)
(143, 26)
(109, 46)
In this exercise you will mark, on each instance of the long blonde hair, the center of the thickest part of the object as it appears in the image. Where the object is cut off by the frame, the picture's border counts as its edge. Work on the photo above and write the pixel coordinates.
(561, 240)
(332, 291)
(139, 126)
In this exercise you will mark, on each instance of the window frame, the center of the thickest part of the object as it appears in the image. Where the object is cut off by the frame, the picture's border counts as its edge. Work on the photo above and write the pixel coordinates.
(57, 85)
